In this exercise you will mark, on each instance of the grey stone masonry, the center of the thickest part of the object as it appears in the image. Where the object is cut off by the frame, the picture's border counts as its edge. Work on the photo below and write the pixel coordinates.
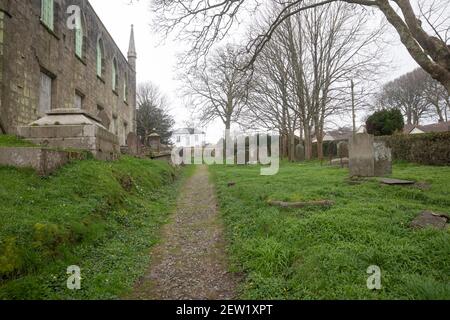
(32, 53)
(44, 161)
(369, 157)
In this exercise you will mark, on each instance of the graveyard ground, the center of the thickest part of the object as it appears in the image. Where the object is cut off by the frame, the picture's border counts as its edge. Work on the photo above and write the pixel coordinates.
(103, 217)
(324, 252)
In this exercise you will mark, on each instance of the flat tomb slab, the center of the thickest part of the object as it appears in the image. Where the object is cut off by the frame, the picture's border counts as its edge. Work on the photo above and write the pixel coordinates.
(430, 219)
(394, 182)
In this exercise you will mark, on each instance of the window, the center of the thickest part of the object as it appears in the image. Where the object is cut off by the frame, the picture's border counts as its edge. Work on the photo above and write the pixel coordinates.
(196, 138)
(80, 37)
(125, 88)
(47, 13)
(78, 103)
(45, 94)
(178, 139)
(115, 76)
(100, 58)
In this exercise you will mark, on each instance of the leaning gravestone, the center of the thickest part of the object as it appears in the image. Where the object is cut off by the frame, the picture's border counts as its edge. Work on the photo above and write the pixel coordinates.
(300, 153)
(369, 158)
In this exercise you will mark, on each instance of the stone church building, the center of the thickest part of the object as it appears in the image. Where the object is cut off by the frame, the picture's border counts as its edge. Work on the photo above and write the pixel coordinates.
(63, 82)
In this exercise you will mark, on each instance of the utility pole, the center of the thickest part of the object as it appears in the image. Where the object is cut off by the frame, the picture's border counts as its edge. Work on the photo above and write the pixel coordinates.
(352, 84)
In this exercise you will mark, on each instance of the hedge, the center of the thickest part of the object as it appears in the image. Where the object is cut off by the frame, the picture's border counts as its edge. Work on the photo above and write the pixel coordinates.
(428, 148)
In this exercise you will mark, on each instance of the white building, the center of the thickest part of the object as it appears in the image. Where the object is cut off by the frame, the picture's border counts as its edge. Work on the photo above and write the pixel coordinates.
(188, 137)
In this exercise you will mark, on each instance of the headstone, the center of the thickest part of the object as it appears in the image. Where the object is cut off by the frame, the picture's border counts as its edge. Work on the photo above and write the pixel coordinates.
(383, 159)
(133, 143)
(103, 116)
(368, 157)
(362, 155)
(154, 141)
(430, 219)
(342, 149)
(299, 152)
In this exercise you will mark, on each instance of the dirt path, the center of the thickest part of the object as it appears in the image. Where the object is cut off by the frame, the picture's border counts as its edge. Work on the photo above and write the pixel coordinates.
(190, 261)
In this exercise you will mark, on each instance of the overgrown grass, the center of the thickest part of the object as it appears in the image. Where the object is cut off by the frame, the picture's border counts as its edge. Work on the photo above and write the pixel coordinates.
(102, 217)
(324, 253)
(13, 141)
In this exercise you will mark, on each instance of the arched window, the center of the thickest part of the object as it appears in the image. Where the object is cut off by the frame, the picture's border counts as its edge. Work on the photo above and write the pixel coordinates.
(80, 36)
(115, 75)
(125, 88)
(47, 13)
(100, 58)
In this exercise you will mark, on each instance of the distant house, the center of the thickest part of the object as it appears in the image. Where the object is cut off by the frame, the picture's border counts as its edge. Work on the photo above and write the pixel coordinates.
(435, 127)
(188, 137)
(340, 134)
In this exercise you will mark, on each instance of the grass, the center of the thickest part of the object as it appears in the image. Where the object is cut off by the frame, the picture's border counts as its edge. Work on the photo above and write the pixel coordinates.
(324, 253)
(102, 217)
(13, 141)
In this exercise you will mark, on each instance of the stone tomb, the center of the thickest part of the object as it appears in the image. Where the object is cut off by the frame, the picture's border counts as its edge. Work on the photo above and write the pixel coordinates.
(369, 157)
(73, 129)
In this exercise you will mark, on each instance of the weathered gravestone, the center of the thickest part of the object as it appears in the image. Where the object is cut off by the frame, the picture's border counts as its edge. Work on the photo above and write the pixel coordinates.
(342, 149)
(299, 152)
(383, 159)
(154, 141)
(369, 158)
(133, 144)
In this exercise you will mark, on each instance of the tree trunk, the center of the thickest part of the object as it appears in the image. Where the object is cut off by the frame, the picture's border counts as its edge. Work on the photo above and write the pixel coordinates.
(447, 86)
(320, 148)
(285, 145)
(228, 123)
(308, 143)
(292, 146)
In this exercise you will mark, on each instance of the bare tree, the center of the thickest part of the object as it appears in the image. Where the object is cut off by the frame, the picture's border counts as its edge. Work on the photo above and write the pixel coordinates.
(220, 89)
(305, 70)
(417, 95)
(436, 97)
(423, 29)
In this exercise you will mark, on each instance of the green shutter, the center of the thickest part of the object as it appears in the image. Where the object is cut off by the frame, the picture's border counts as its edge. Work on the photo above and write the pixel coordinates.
(47, 13)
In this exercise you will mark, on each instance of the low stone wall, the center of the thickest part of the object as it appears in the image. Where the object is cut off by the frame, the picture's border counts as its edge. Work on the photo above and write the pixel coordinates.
(44, 161)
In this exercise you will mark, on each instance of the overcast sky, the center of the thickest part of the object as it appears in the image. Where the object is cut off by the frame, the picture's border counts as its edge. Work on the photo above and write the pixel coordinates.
(157, 62)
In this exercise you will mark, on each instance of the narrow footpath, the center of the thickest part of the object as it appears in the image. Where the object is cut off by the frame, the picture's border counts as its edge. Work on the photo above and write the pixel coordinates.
(190, 262)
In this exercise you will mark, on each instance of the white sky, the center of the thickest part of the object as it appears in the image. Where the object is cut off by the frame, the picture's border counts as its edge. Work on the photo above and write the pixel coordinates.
(157, 62)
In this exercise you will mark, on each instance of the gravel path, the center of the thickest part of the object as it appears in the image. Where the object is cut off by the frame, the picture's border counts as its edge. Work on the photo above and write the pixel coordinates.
(190, 262)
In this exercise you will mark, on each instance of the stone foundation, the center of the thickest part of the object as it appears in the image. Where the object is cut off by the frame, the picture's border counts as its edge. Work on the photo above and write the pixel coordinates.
(44, 161)
(69, 129)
